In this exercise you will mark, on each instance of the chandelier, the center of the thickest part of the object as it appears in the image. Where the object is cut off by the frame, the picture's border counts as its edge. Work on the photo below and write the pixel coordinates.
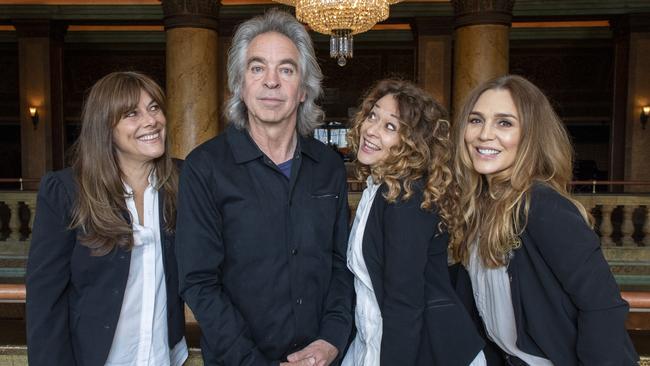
(340, 19)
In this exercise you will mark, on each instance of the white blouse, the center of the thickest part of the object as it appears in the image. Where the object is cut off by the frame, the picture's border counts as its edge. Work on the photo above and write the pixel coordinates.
(491, 287)
(141, 337)
(366, 346)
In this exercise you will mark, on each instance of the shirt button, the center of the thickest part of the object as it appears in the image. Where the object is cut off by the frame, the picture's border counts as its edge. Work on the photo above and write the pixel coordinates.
(106, 326)
(294, 251)
(299, 301)
(116, 292)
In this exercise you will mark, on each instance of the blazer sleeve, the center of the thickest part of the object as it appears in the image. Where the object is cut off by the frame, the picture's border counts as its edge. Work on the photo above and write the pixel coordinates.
(336, 324)
(407, 233)
(48, 277)
(572, 251)
(200, 251)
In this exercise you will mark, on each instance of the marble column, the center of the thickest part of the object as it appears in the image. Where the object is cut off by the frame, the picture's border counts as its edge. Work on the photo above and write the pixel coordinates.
(481, 49)
(434, 57)
(191, 28)
(40, 59)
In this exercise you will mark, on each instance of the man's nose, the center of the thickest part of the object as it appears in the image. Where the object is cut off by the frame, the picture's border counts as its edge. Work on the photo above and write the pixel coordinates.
(271, 79)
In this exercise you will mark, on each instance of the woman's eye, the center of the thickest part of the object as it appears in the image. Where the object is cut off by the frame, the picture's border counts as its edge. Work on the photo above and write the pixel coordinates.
(391, 127)
(130, 114)
(372, 116)
(154, 107)
(505, 123)
(474, 120)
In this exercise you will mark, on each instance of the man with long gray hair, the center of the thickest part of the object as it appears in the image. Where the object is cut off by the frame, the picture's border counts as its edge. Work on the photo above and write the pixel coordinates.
(263, 212)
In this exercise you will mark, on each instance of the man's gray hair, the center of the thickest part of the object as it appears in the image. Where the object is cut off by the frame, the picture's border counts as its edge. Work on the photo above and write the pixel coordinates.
(310, 115)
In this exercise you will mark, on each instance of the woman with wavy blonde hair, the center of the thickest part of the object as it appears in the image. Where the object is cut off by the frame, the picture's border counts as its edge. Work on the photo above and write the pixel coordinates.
(540, 282)
(407, 312)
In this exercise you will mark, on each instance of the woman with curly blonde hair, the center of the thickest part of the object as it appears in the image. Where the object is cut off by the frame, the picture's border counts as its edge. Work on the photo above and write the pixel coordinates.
(407, 312)
(542, 287)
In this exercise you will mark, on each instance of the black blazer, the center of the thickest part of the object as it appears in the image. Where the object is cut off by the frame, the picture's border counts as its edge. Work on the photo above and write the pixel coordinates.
(74, 299)
(424, 322)
(567, 305)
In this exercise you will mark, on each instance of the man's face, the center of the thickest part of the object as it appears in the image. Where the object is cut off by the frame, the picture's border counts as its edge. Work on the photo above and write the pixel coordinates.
(272, 91)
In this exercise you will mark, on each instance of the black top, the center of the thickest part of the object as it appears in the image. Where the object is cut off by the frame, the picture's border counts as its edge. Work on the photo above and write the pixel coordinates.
(262, 257)
(74, 299)
(424, 322)
(567, 305)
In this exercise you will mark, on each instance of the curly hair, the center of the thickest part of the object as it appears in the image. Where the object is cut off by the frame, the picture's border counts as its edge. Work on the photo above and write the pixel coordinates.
(498, 211)
(424, 151)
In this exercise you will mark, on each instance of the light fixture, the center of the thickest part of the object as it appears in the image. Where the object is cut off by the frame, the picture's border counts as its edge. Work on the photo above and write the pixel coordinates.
(33, 112)
(340, 19)
(645, 111)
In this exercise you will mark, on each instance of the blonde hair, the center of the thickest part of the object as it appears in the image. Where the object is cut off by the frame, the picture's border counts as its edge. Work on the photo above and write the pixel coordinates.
(498, 212)
(424, 151)
(99, 207)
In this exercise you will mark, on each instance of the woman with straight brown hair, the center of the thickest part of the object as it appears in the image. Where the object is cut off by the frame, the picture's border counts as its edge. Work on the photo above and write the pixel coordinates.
(407, 312)
(101, 274)
(540, 282)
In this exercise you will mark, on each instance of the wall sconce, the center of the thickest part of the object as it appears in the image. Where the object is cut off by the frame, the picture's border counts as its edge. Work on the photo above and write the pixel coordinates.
(645, 111)
(33, 112)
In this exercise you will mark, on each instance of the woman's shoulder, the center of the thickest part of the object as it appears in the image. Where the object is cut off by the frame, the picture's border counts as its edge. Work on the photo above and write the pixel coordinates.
(57, 181)
(549, 205)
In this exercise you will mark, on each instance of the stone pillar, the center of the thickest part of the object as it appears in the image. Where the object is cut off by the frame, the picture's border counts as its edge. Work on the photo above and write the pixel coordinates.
(40, 60)
(191, 28)
(637, 139)
(481, 50)
(434, 57)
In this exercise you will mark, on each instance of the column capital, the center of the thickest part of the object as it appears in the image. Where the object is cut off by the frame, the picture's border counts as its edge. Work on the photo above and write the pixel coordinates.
(473, 12)
(191, 13)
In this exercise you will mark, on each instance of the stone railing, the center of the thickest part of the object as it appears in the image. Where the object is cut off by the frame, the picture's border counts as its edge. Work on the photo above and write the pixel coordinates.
(634, 228)
(16, 218)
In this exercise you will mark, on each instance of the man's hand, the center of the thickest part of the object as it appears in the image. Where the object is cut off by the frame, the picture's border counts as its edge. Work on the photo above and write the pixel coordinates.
(318, 353)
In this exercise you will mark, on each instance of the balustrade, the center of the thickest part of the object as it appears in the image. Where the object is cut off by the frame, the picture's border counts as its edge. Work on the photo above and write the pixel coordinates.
(16, 219)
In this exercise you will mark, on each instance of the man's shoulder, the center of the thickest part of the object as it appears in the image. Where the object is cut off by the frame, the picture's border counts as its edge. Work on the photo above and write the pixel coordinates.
(212, 148)
(321, 152)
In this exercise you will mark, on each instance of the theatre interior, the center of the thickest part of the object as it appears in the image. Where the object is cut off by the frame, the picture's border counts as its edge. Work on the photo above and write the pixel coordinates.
(591, 57)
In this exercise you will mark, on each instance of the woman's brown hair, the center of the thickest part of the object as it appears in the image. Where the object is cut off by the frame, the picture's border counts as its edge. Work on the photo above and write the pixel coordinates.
(100, 207)
(424, 151)
(498, 211)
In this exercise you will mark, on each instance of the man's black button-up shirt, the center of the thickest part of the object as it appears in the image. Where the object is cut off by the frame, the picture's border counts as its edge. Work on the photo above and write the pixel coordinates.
(262, 258)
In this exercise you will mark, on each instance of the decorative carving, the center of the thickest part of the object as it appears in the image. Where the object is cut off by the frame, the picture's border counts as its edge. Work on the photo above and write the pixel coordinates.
(191, 13)
(473, 12)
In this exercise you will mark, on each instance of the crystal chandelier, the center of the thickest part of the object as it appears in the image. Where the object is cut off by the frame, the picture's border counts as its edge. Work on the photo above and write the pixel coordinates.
(340, 19)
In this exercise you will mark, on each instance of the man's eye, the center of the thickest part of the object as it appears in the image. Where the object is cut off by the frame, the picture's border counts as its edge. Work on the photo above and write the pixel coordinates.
(256, 69)
(287, 71)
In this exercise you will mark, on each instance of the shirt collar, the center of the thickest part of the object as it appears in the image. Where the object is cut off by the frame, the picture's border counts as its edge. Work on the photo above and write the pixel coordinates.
(244, 148)
(152, 183)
